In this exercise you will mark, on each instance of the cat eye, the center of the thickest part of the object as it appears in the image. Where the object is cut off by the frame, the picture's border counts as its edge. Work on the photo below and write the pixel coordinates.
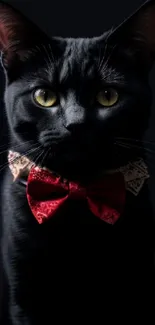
(107, 97)
(45, 97)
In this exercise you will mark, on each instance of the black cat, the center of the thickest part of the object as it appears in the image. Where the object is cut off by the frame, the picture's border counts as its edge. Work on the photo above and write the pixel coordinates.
(77, 107)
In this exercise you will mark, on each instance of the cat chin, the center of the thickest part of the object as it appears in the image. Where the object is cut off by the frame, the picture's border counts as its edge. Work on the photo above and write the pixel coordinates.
(86, 168)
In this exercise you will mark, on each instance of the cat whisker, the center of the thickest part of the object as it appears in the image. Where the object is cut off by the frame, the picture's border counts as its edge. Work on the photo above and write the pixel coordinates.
(150, 159)
(50, 63)
(122, 145)
(6, 134)
(45, 155)
(135, 140)
(50, 48)
(101, 60)
(110, 55)
(3, 166)
(133, 146)
(9, 144)
(128, 145)
(105, 64)
(47, 58)
(38, 157)
(104, 54)
(12, 148)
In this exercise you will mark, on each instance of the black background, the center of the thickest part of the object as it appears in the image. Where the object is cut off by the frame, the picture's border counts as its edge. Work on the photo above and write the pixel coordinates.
(83, 18)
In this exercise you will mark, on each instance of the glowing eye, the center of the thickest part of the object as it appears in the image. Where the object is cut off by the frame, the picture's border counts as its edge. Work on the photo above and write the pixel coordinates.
(45, 97)
(107, 97)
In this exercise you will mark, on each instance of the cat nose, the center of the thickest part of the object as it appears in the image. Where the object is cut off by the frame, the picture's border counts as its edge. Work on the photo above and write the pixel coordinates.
(74, 118)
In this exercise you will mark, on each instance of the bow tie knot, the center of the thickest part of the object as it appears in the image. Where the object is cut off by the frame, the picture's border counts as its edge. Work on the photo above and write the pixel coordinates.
(77, 192)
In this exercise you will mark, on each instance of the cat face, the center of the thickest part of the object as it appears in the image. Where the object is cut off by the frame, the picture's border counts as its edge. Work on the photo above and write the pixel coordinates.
(71, 102)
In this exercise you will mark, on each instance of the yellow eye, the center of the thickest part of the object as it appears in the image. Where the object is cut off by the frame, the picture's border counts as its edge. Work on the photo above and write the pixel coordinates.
(45, 97)
(107, 97)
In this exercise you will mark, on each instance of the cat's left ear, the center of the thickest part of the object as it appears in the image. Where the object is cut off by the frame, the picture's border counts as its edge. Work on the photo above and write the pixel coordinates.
(18, 35)
(137, 33)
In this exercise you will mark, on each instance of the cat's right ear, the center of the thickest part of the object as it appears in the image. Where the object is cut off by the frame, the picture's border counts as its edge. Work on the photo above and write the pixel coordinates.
(136, 35)
(17, 36)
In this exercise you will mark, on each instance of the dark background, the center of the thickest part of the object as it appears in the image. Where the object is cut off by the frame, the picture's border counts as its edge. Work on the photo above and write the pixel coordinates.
(82, 18)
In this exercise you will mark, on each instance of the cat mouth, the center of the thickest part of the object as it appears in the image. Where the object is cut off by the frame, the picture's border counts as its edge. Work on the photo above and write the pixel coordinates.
(72, 154)
(71, 150)
(71, 160)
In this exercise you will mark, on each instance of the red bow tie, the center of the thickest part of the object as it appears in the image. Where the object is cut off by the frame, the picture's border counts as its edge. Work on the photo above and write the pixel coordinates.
(46, 193)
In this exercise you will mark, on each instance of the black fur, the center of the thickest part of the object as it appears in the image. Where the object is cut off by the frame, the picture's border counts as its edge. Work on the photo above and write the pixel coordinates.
(38, 259)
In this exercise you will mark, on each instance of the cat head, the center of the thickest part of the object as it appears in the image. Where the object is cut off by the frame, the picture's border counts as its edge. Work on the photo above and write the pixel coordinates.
(71, 102)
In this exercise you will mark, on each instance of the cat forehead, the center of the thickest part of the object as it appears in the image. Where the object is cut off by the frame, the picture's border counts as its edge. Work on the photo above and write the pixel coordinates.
(78, 51)
(79, 56)
(77, 59)
(81, 46)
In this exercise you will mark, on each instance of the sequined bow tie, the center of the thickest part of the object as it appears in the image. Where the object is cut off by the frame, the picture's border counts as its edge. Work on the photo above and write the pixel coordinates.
(47, 193)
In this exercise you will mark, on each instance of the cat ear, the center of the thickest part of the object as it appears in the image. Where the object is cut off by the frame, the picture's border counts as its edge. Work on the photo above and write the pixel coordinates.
(17, 35)
(137, 34)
